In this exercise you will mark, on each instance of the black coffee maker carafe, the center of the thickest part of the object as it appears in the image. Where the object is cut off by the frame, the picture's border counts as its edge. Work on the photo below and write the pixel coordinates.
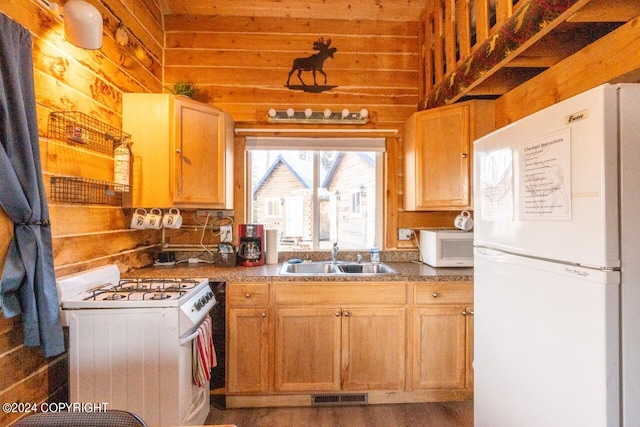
(251, 250)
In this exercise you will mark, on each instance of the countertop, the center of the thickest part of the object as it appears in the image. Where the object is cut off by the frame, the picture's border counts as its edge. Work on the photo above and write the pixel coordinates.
(407, 272)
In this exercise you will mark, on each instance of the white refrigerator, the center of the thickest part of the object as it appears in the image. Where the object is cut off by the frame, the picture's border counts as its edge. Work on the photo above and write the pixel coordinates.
(557, 265)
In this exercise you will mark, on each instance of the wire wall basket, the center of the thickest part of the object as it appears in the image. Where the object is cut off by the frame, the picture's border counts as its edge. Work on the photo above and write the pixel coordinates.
(89, 191)
(78, 128)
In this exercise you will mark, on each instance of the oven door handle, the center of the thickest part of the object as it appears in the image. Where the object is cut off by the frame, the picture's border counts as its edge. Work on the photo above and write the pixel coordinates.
(189, 338)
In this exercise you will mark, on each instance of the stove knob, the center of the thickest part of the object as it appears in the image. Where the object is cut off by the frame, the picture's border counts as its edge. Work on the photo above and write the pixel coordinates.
(198, 305)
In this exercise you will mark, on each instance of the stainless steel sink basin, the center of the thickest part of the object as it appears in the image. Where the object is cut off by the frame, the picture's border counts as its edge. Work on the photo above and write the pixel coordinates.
(309, 268)
(365, 268)
(338, 269)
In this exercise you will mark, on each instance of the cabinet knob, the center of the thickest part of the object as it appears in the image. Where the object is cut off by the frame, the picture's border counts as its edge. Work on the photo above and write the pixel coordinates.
(247, 295)
(337, 314)
(471, 312)
(263, 314)
(463, 312)
(178, 150)
(465, 155)
(346, 314)
(435, 295)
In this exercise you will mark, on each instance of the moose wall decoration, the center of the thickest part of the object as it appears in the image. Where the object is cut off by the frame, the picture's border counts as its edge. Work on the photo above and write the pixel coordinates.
(314, 64)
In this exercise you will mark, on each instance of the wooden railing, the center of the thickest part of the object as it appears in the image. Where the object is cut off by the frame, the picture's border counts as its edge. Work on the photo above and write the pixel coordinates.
(450, 30)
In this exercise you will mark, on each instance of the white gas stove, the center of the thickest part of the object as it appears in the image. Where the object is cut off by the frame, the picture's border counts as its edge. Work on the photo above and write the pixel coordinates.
(132, 342)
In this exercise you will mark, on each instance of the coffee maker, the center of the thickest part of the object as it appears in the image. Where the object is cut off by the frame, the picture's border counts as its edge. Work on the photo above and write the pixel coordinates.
(252, 244)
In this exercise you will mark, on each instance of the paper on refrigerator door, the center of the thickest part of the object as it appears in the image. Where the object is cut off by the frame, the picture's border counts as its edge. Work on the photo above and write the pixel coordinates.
(496, 185)
(545, 177)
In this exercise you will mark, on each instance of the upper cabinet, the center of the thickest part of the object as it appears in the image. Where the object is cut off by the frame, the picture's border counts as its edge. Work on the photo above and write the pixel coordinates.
(182, 149)
(438, 155)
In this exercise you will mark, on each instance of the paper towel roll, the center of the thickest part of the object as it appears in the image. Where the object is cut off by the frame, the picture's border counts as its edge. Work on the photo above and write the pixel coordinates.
(272, 246)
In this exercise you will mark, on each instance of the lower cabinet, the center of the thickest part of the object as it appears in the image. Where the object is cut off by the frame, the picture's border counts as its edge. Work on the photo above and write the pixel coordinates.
(248, 338)
(289, 340)
(322, 349)
(308, 349)
(443, 336)
(469, 345)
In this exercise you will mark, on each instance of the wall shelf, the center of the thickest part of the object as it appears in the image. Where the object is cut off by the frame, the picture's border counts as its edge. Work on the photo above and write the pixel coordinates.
(83, 130)
(71, 189)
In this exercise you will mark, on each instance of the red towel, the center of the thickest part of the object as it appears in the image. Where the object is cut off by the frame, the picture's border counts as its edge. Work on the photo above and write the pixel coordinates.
(204, 354)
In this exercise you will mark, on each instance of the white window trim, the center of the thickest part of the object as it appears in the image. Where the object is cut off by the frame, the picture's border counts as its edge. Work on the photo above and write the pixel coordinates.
(328, 144)
(278, 203)
(356, 204)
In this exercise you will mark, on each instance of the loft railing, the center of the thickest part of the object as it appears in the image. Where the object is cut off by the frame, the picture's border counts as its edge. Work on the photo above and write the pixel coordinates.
(451, 29)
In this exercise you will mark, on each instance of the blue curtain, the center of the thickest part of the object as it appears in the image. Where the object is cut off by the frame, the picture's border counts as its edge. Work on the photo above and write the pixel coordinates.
(28, 285)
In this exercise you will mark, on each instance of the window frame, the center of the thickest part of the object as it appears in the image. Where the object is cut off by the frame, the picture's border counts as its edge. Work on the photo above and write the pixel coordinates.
(376, 145)
(273, 201)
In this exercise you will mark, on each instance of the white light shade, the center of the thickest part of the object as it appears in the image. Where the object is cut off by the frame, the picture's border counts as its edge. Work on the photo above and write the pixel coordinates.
(327, 113)
(308, 112)
(290, 112)
(345, 113)
(83, 24)
(272, 112)
(364, 113)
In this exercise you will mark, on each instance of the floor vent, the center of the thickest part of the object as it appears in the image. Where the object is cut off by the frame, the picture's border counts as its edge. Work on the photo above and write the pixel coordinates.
(339, 399)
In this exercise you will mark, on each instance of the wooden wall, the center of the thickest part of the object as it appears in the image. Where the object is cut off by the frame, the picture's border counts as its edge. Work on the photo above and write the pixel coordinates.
(70, 78)
(242, 63)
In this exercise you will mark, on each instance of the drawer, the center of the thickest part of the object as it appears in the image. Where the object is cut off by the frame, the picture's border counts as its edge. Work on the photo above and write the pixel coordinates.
(248, 294)
(340, 293)
(443, 293)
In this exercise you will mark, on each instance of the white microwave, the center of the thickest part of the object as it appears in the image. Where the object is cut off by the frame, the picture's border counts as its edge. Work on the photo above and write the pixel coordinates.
(446, 248)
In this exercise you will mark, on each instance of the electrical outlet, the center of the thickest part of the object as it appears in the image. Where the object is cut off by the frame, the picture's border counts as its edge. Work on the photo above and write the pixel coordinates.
(207, 212)
(219, 213)
(226, 235)
(404, 233)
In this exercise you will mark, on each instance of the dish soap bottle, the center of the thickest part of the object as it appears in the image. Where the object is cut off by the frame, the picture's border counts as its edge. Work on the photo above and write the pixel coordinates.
(375, 255)
(121, 165)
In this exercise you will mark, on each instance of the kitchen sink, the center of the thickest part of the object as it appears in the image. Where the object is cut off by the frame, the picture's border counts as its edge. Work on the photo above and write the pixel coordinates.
(309, 268)
(338, 269)
(365, 268)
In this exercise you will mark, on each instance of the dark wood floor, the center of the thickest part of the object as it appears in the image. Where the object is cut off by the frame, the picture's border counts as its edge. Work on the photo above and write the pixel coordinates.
(445, 414)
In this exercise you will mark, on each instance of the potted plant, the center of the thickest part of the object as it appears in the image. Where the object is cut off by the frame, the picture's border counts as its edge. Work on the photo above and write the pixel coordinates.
(187, 89)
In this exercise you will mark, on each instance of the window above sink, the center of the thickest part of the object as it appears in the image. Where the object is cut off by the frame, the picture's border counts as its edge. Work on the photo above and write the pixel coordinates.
(316, 191)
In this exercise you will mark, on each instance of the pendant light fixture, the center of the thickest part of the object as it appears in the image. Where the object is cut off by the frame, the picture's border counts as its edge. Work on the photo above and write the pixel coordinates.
(83, 24)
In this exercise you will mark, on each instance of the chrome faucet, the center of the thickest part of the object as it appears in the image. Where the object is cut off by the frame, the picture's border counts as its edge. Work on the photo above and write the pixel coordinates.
(334, 253)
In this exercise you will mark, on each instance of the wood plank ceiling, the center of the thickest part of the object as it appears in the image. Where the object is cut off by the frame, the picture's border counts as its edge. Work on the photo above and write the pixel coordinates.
(380, 10)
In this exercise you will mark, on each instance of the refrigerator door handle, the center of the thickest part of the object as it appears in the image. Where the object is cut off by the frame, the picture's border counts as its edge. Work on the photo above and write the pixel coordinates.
(490, 253)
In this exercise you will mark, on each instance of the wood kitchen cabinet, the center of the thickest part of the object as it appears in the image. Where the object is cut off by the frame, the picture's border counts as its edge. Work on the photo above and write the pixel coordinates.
(182, 151)
(347, 337)
(438, 148)
(443, 336)
(308, 349)
(291, 342)
(248, 337)
(469, 344)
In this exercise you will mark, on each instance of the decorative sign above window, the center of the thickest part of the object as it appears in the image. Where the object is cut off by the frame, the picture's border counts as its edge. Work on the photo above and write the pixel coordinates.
(314, 64)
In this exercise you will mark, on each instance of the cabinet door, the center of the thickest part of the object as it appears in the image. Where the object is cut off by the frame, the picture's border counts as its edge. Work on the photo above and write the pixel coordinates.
(469, 341)
(199, 147)
(147, 117)
(373, 348)
(443, 159)
(307, 349)
(248, 350)
(439, 348)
